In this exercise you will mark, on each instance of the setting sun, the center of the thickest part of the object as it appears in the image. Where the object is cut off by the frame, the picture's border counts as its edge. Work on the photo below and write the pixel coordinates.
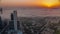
(29, 3)
(50, 3)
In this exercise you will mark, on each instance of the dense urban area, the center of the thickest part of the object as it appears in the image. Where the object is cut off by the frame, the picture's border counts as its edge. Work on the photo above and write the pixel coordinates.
(30, 25)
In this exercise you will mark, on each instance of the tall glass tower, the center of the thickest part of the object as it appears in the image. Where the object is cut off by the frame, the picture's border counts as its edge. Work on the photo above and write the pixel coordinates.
(14, 24)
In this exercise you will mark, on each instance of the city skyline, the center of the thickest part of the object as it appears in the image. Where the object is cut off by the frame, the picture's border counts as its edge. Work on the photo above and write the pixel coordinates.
(31, 12)
(29, 16)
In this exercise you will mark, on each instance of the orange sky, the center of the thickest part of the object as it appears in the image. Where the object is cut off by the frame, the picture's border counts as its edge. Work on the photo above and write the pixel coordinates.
(40, 3)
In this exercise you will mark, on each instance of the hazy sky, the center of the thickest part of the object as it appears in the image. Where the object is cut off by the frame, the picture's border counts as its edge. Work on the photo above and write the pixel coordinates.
(31, 3)
(31, 12)
(18, 3)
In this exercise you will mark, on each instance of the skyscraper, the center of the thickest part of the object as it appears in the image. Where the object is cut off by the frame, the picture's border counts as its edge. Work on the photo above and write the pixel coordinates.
(1, 10)
(0, 23)
(15, 20)
(12, 17)
(14, 24)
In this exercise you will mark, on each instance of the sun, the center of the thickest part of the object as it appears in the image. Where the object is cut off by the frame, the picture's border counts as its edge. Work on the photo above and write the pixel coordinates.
(50, 3)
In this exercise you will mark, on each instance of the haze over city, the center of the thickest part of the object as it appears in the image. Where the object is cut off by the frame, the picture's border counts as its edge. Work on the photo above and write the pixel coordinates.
(29, 16)
(30, 3)
(53, 7)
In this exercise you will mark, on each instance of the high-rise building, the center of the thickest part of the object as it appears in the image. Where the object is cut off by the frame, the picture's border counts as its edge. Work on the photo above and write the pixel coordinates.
(1, 10)
(12, 17)
(15, 20)
(14, 24)
(0, 23)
